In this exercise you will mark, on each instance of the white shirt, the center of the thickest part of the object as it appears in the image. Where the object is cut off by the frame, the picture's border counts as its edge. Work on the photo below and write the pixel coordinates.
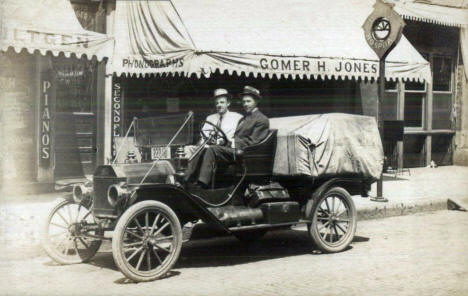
(228, 123)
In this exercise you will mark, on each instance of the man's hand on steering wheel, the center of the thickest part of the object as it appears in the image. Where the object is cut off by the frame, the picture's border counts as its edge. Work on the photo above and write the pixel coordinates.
(213, 136)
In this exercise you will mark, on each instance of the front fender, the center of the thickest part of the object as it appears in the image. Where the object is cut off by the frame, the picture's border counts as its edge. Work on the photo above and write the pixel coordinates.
(186, 206)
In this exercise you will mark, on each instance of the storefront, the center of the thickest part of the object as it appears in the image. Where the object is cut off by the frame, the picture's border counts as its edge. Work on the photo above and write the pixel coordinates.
(308, 58)
(48, 77)
(435, 118)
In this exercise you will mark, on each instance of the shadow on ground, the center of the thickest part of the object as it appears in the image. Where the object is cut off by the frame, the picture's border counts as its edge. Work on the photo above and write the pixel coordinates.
(226, 251)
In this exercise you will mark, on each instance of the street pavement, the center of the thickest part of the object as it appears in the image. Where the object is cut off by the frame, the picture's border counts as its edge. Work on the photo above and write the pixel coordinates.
(420, 254)
(424, 189)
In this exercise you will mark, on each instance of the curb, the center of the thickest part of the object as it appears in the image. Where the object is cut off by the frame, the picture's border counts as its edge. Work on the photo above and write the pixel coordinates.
(385, 210)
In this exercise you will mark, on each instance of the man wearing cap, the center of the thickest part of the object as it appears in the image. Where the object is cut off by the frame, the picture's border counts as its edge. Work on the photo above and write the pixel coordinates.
(251, 130)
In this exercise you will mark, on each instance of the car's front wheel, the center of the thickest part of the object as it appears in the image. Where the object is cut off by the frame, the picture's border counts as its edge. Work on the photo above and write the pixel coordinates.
(334, 220)
(147, 241)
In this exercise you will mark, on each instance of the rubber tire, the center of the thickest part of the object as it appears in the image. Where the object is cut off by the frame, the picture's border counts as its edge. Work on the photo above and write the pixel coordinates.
(46, 245)
(315, 236)
(119, 232)
(250, 235)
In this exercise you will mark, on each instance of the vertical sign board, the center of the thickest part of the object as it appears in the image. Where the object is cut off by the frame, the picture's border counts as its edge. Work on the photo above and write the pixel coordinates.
(45, 119)
(117, 101)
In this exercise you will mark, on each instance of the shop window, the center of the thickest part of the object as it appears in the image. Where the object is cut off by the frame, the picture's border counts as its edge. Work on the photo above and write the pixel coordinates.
(75, 86)
(414, 109)
(442, 111)
(442, 73)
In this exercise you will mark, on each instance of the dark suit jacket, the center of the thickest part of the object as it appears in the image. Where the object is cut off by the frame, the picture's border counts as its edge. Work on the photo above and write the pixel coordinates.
(251, 130)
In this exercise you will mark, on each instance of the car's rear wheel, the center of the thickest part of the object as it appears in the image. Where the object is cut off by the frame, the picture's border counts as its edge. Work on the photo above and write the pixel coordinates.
(63, 236)
(334, 220)
(147, 241)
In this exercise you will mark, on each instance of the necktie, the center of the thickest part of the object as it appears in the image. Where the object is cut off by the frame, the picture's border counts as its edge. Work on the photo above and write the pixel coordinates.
(220, 120)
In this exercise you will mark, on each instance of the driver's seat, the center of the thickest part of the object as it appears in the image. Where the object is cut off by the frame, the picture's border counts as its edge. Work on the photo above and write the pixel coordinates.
(258, 159)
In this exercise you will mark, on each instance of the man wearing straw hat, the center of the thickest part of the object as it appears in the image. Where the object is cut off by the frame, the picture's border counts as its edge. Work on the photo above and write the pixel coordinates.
(223, 118)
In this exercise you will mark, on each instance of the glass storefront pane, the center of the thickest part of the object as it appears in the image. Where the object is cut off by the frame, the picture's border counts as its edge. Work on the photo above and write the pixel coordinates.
(414, 104)
(442, 111)
(442, 70)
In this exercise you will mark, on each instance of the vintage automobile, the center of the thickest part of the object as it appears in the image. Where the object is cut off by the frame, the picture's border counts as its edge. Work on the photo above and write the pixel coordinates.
(142, 206)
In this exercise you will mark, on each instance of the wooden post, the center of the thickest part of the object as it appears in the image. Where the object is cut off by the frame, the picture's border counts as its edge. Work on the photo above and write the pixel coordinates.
(400, 116)
(428, 124)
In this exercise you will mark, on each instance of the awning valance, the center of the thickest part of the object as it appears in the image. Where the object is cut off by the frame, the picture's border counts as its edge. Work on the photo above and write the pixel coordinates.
(443, 12)
(49, 25)
(300, 38)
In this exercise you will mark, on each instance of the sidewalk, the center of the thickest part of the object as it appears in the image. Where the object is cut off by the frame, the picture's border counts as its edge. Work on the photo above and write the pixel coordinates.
(427, 189)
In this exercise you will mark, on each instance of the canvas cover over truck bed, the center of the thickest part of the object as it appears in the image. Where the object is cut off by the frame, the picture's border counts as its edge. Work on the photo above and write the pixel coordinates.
(330, 144)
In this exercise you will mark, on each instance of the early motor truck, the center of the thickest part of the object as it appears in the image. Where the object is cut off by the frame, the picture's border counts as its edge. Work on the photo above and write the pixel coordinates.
(143, 203)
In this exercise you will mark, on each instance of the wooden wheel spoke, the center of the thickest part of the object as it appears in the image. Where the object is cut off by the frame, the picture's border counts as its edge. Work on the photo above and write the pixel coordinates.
(135, 235)
(57, 246)
(78, 213)
(58, 234)
(83, 242)
(148, 261)
(58, 225)
(333, 205)
(165, 238)
(338, 207)
(341, 228)
(67, 244)
(328, 206)
(135, 244)
(75, 246)
(134, 253)
(162, 228)
(156, 255)
(162, 248)
(342, 220)
(140, 259)
(330, 233)
(147, 222)
(69, 213)
(154, 223)
(323, 226)
(336, 231)
(138, 225)
(64, 220)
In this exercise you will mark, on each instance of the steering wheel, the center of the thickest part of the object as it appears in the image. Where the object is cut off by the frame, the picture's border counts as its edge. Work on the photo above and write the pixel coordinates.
(217, 133)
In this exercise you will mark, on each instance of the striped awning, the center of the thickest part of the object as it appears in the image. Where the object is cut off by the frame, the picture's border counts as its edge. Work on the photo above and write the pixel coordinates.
(49, 26)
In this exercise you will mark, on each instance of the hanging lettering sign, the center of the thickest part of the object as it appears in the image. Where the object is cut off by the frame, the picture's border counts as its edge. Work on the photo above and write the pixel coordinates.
(46, 103)
(383, 28)
(116, 114)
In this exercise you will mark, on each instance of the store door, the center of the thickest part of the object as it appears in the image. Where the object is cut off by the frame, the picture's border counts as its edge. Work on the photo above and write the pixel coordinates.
(75, 124)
